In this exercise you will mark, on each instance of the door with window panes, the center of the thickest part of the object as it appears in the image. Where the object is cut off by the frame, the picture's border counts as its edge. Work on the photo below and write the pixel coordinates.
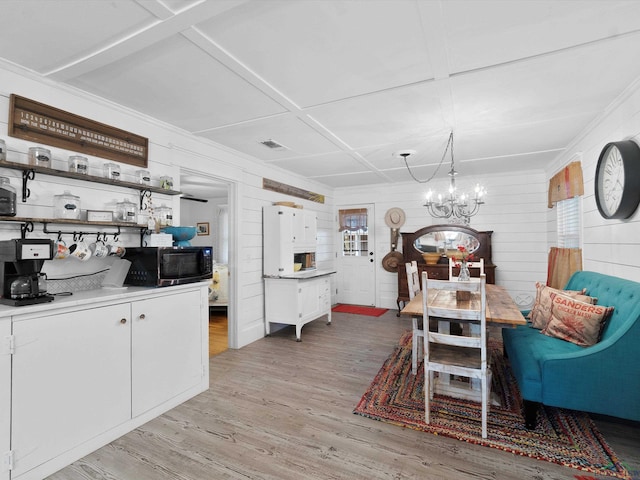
(356, 260)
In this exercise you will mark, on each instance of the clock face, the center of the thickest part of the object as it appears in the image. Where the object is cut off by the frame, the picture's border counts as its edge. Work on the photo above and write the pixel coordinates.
(611, 180)
(617, 182)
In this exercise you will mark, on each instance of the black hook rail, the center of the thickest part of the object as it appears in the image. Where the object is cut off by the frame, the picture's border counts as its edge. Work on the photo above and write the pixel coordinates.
(78, 235)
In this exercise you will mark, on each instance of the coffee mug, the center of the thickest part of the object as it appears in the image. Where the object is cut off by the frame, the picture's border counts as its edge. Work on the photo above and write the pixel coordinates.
(99, 249)
(116, 250)
(80, 250)
(62, 251)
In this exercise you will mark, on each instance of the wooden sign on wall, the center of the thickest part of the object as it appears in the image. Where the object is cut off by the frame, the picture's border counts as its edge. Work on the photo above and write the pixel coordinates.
(36, 122)
(289, 190)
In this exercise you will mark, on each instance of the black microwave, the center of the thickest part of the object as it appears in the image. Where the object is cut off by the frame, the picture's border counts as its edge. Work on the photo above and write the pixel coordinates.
(164, 266)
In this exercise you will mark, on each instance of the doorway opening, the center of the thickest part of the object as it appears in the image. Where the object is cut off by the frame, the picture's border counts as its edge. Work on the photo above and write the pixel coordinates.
(207, 203)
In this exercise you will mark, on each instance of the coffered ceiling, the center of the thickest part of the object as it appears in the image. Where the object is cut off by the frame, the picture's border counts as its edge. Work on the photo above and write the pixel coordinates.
(343, 85)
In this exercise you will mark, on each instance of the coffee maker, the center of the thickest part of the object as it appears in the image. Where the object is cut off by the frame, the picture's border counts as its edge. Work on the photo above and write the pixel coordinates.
(21, 260)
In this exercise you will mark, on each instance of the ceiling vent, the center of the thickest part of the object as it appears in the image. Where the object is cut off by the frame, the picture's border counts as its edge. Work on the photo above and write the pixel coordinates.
(273, 145)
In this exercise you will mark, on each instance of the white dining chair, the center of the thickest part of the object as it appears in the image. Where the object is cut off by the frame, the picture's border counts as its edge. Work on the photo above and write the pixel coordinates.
(417, 337)
(448, 354)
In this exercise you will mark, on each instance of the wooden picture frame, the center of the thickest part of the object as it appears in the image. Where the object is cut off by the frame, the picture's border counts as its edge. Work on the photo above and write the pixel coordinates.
(202, 228)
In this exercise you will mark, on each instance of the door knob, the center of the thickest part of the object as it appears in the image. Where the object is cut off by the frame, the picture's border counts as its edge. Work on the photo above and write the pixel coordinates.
(123, 320)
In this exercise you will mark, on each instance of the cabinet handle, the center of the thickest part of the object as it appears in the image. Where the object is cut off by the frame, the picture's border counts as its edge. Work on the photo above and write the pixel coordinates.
(142, 316)
(123, 320)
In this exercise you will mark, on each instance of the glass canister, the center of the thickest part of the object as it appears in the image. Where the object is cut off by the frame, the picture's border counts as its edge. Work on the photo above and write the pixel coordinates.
(164, 216)
(40, 156)
(7, 198)
(126, 211)
(143, 177)
(166, 182)
(66, 206)
(78, 164)
(3, 151)
(111, 171)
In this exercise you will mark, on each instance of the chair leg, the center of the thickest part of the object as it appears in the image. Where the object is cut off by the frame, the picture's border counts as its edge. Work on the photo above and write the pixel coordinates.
(530, 414)
(485, 404)
(428, 380)
(414, 353)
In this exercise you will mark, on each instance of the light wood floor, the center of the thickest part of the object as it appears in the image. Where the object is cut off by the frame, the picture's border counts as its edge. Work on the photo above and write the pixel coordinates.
(278, 409)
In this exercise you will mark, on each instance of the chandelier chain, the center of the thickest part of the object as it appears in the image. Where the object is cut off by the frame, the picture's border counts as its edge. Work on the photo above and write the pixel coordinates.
(444, 155)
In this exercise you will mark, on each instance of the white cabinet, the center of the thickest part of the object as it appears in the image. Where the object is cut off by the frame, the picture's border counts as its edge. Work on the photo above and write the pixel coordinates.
(71, 381)
(296, 301)
(166, 358)
(87, 369)
(286, 231)
(5, 395)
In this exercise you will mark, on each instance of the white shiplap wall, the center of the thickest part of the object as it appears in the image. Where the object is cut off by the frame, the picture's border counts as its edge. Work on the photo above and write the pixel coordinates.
(609, 246)
(515, 210)
(169, 150)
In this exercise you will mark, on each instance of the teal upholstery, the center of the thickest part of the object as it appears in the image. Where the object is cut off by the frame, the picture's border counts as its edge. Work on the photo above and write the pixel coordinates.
(561, 374)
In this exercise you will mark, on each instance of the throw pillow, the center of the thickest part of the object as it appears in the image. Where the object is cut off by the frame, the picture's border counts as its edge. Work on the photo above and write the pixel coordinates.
(575, 321)
(541, 310)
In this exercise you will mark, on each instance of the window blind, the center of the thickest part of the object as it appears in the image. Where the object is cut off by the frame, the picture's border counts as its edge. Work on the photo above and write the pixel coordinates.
(569, 222)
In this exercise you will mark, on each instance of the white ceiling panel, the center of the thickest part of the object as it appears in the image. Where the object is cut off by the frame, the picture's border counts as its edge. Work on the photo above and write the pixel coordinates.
(45, 35)
(494, 32)
(317, 52)
(321, 165)
(345, 84)
(287, 130)
(177, 82)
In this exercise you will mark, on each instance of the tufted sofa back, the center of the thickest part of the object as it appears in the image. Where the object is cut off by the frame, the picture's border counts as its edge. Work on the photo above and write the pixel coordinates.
(617, 292)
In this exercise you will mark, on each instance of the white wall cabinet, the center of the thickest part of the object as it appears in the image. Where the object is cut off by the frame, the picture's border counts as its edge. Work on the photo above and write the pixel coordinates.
(84, 374)
(5, 395)
(287, 231)
(165, 356)
(71, 381)
(296, 301)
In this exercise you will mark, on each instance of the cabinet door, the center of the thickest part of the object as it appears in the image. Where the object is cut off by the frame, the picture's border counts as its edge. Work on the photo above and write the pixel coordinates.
(309, 299)
(5, 394)
(166, 348)
(305, 231)
(71, 381)
(279, 231)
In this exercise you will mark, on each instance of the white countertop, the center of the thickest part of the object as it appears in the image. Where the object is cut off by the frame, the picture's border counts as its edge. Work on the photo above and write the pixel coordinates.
(303, 274)
(88, 297)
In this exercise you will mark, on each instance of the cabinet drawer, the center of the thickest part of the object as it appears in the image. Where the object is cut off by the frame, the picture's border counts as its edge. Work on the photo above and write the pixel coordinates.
(437, 274)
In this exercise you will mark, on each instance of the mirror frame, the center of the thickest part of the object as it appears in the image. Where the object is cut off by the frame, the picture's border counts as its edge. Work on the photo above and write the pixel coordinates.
(410, 253)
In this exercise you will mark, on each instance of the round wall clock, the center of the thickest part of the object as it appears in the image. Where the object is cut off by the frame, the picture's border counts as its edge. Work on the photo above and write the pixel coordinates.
(617, 183)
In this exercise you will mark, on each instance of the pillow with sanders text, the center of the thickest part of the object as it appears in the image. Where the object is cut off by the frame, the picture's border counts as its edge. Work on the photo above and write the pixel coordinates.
(577, 322)
(541, 311)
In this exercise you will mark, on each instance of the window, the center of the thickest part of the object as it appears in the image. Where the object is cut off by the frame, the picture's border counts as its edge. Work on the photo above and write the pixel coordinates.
(355, 232)
(569, 222)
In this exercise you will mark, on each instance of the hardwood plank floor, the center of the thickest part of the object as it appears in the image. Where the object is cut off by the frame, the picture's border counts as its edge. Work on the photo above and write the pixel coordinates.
(218, 332)
(279, 409)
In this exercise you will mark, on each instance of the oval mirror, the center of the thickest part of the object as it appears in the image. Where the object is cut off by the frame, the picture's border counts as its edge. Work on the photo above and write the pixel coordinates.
(446, 241)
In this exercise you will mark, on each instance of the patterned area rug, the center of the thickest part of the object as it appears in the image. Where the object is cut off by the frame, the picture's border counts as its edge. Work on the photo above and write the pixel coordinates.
(564, 437)
(359, 310)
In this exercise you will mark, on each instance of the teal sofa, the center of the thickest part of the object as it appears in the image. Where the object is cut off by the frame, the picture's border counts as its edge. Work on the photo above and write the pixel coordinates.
(603, 378)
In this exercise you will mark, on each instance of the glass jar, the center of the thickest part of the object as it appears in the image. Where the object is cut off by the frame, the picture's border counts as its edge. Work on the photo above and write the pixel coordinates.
(78, 164)
(7, 198)
(166, 182)
(126, 211)
(66, 206)
(143, 177)
(164, 216)
(40, 156)
(111, 171)
(3, 151)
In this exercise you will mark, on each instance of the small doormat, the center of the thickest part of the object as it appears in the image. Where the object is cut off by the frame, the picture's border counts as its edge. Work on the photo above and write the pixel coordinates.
(564, 437)
(359, 310)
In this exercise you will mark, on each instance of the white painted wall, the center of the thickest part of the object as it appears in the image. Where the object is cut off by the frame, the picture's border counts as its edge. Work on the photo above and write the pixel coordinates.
(169, 149)
(515, 210)
(609, 246)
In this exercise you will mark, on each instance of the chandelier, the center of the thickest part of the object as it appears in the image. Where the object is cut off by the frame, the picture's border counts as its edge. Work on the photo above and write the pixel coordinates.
(456, 206)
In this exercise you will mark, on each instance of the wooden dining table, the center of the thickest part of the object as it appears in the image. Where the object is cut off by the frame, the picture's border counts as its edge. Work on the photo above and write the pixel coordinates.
(501, 311)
